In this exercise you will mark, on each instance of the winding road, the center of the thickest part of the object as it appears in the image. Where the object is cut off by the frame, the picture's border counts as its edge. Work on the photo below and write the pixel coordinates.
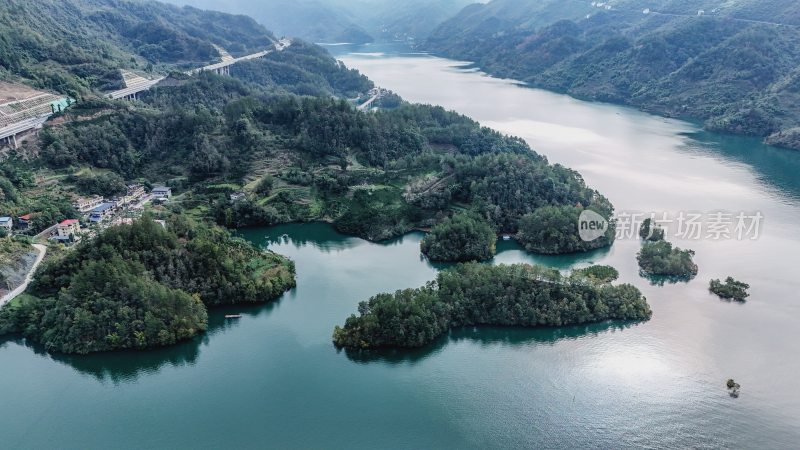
(21, 288)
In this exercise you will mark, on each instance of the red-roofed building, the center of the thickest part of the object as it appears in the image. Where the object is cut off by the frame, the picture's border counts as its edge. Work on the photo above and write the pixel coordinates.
(67, 229)
(23, 222)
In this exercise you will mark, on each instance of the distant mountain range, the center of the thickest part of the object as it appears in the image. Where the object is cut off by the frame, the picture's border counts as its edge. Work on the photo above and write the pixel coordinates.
(733, 64)
(352, 21)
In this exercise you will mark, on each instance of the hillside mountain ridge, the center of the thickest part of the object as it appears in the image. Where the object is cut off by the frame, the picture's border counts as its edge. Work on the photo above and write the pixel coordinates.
(733, 65)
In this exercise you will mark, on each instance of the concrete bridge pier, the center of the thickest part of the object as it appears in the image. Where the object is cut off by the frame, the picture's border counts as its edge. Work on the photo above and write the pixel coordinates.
(11, 141)
(222, 70)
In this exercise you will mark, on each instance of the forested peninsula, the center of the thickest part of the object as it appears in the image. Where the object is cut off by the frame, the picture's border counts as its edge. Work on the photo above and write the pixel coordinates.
(143, 285)
(479, 294)
(373, 175)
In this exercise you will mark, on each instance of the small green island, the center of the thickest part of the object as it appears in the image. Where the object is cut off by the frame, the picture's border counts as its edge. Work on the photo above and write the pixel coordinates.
(143, 285)
(480, 294)
(731, 289)
(461, 238)
(660, 258)
(553, 230)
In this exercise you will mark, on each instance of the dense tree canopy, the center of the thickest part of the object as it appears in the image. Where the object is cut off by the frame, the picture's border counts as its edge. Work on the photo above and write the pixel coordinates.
(479, 294)
(103, 184)
(108, 305)
(461, 238)
(304, 69)
(554, 230)
(141, 285)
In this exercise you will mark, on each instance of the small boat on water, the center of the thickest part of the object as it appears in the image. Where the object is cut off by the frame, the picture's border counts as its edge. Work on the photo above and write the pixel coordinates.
(233, 316)
(506, 237)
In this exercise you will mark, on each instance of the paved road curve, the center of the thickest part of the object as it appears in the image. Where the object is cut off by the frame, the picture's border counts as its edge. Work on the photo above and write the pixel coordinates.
(21, 288)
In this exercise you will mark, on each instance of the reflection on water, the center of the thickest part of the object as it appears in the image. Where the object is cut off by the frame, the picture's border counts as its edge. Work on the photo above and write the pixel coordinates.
(776, 169)
(661, 280)
(299, 235)
(129, 365)
(122, 366)
(510, 252)
(486, 336)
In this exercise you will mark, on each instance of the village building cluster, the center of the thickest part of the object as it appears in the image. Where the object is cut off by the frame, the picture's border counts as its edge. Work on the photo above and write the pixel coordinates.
(95, 211)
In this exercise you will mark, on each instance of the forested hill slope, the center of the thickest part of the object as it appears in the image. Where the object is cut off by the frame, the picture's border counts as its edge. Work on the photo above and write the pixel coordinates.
(73, 46)
(268, 144)
(735, 65)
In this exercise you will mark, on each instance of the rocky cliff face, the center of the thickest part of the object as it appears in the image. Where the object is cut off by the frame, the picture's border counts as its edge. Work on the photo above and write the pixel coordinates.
(13, 269)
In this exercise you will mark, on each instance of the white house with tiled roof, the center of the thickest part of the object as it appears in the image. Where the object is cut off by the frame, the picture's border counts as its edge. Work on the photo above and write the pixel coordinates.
(67, 229)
